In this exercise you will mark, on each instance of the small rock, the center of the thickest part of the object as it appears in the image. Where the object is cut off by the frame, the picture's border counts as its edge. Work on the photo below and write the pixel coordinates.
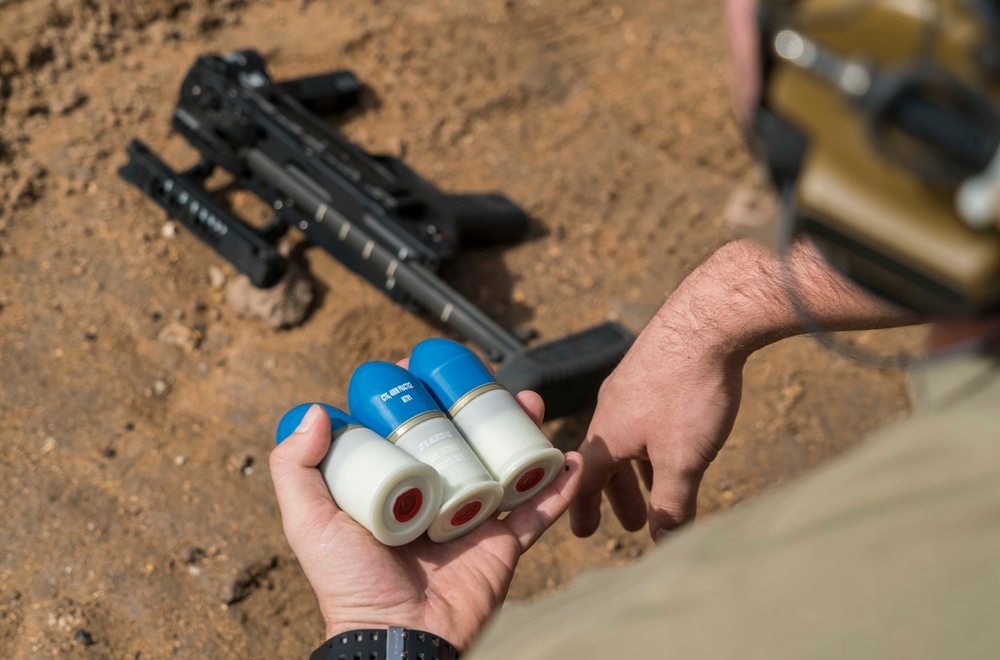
(178, 334)
(161, 388)
(49, 445)
(216, 278)
(613, 545)
(83, 637)
(192, 554)
(242, 463)
(284, 305)
(180, 460)
(169, 229)
(108, 452)
(91, 333)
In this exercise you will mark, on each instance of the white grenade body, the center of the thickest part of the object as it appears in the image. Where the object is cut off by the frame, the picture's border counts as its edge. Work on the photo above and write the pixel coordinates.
(510, 445)
(471, 495)
(382, 487)
(392, 402)
(512, 448)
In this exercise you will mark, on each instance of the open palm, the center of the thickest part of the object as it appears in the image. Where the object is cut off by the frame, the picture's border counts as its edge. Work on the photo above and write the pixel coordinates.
(448, 589)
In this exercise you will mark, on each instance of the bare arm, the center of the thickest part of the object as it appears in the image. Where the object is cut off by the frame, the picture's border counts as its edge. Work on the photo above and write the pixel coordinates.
(671, 403)
(737, 300)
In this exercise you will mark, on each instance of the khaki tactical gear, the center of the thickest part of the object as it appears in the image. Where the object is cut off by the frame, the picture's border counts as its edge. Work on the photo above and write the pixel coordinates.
(888, 552)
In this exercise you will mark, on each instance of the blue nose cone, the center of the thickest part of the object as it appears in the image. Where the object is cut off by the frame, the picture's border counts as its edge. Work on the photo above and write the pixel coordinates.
(383, 396)
(338, 420)
(448, 369)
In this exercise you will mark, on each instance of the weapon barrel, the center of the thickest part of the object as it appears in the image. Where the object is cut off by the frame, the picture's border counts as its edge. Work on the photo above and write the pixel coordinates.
(333, 231)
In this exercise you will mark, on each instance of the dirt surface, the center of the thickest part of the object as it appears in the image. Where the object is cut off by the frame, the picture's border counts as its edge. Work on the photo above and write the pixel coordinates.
(137, 409)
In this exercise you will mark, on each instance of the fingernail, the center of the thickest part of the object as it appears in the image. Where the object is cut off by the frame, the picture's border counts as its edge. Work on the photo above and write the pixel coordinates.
(662, 535)
(311, 416)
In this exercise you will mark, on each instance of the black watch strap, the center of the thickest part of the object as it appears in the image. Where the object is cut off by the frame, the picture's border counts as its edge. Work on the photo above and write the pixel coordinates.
(380, 644)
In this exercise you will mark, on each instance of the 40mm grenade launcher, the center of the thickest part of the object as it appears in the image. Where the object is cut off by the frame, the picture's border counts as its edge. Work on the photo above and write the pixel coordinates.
(372, 213)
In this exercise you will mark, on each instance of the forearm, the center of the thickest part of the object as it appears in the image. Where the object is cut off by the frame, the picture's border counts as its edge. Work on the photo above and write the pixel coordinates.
(738, 300)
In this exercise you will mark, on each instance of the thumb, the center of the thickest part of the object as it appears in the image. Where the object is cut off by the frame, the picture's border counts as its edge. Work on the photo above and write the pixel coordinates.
(298, 485)
(673, 501)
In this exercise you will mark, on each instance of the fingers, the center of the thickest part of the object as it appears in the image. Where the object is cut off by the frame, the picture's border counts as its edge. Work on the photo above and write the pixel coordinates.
(585, 512)
(533, 405)
(673, 501)
(298, 485)
(626, 499)
(529, 521)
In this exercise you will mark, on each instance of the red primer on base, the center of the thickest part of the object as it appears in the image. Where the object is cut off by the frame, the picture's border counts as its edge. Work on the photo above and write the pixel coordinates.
(466, 513)
(407, 505)
(529, 480)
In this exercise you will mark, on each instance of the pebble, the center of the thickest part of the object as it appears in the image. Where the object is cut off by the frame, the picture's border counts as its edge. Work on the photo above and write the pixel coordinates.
(169, 229)
(180, 460)
(216, 278)
(242, 463)
(83, 637)
(192, 553)
(284, 305)
(49, 445)
(178, 334)
(161, 387)
(108, 452)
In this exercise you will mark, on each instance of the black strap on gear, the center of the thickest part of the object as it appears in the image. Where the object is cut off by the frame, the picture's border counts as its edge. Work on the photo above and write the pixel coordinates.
(379, 644)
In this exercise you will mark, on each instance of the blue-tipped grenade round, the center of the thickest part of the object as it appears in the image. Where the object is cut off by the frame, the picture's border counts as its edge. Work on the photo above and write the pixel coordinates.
(385, 489)
(512, 448)
(393, 403)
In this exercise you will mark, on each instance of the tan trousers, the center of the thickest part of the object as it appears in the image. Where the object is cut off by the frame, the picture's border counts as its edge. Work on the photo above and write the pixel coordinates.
(892, 551)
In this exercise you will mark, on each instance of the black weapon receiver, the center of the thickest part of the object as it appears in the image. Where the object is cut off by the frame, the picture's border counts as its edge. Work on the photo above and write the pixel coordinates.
(373, 213)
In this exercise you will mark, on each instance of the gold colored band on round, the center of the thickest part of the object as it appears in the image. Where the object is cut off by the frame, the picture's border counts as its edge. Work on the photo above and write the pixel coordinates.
(413, 421)
(472, 394)
(344, 429)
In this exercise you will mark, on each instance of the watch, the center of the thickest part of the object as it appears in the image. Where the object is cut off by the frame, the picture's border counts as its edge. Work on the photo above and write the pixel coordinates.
(379, 644)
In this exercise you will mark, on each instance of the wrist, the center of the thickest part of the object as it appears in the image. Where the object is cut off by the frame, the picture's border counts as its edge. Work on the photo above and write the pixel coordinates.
(728, 307)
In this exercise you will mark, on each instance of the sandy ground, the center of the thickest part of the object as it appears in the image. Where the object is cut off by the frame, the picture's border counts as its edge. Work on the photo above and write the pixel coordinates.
(138, 514)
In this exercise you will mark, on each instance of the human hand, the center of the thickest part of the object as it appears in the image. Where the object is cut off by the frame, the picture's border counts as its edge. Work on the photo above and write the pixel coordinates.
(448, 589)
(669, 407)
